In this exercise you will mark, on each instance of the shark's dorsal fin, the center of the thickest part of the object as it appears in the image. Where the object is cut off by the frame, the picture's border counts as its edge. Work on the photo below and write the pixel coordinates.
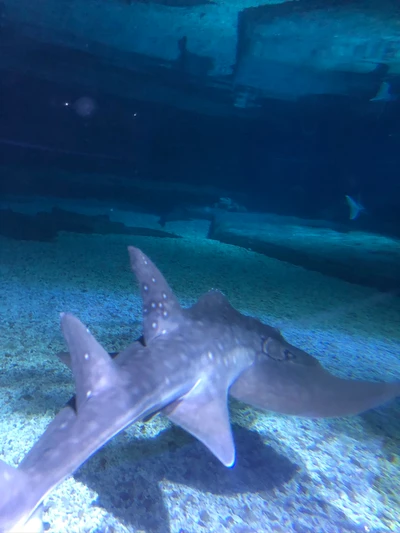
(213, 305)
(93, 369)
(203, 412)
(65, 358)
(161, 309)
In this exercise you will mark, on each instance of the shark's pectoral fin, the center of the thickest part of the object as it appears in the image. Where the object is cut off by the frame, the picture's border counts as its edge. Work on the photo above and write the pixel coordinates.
(203, 412)
(161, 309)
(311, 391)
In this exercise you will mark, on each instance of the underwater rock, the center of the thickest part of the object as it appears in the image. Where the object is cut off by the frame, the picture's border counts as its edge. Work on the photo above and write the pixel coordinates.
(45, 226)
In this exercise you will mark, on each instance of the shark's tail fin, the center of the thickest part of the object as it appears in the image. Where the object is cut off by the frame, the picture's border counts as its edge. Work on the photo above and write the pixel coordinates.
(384, 93)
(17, 518)
(161, 308)
(355, 207)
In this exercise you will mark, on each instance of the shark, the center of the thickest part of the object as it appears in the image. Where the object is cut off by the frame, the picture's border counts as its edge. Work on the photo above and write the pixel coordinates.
(355, 207)
(186, 365)
(384, 93)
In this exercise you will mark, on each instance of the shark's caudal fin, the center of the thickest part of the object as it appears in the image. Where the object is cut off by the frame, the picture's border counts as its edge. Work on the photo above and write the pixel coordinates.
(384, 93)
(355, 207)
(161, 308)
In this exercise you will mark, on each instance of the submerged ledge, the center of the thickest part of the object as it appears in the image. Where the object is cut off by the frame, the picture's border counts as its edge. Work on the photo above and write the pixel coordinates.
(354, 256)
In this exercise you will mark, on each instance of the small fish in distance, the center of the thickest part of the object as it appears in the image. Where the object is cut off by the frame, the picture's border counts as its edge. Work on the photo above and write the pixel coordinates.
(355, 207)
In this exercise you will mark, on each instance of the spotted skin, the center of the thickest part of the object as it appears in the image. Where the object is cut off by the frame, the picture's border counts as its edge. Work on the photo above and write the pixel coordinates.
(184, 366)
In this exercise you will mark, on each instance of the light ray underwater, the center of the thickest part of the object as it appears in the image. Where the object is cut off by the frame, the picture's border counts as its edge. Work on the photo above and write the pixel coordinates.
(185, 365)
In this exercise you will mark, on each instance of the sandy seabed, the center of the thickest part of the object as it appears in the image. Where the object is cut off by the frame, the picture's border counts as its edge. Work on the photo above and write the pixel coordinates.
(291, 474)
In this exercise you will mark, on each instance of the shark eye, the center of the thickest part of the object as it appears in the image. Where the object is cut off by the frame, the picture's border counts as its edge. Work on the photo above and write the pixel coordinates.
(276, 351)
(288, 354)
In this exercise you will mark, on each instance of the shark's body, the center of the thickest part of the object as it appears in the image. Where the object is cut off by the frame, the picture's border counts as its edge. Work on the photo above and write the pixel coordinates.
(188, 363)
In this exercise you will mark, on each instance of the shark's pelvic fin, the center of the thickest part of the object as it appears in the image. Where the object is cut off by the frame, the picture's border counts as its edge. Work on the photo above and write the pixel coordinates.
(355, 207)
(161, 309)
(203, 412)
